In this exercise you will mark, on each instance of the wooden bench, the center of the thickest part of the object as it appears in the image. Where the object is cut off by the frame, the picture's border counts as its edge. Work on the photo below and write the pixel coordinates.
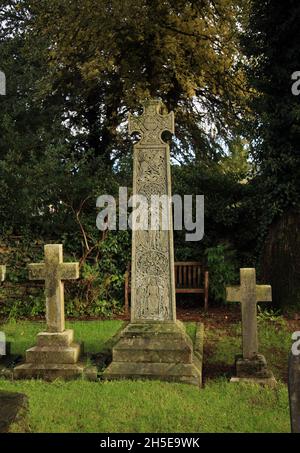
(187, 281)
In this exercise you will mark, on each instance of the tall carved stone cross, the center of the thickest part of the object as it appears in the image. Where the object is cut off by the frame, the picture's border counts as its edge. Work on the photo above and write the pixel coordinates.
(152, 277)
(249, 293)
(154, 345)
(53, 271)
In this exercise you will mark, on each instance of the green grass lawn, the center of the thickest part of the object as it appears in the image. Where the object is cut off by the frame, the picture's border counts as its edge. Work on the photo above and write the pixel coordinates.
(152, 406)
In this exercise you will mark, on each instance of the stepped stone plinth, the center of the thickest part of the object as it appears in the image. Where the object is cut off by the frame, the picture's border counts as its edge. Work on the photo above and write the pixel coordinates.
(160, 350)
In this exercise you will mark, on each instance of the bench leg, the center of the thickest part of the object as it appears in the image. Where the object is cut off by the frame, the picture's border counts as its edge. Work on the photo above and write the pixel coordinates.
(206, 285)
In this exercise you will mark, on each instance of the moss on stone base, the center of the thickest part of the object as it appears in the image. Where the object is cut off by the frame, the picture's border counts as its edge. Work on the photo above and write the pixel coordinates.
(157, 350)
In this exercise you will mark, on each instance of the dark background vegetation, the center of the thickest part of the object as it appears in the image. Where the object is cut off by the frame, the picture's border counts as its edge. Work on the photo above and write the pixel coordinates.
(75, 69)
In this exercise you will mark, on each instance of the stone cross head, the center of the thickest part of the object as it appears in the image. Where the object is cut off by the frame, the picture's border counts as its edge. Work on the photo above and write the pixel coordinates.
(151, 124)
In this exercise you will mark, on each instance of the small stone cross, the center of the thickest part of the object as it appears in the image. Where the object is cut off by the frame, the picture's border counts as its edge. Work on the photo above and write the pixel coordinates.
(53, 271)
(151, 124)
(249, 293)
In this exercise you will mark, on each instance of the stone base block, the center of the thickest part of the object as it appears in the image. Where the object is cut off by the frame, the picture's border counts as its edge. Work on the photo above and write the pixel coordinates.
(253, 370)
(256, 367)
(157, 350)
(55, 356)
(268, 382)
(48, 371)
(58, 354)
(65, 338)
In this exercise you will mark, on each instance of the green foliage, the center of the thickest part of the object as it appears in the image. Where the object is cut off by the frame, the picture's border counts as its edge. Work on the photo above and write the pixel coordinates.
(273, 54)
(95, 294)
(274, 127)
(225, 212)
(270, 315)
(75, 69)
(98, 292)
(222, 270)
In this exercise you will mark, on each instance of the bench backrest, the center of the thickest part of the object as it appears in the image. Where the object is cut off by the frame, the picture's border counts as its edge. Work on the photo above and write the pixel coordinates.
(187, 274)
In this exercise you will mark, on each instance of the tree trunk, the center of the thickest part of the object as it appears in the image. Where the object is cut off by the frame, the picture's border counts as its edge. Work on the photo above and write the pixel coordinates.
(281, 260)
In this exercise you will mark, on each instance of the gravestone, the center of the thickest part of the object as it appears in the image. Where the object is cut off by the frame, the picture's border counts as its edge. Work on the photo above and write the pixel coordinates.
(4, 345)
(154, 345)
(294, 391)
(13, 412)
(56, 354)
(251, 365)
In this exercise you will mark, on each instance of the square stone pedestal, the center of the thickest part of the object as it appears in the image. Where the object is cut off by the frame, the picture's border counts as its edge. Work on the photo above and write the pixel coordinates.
(157, 350)
(253, 370)
(56, 355)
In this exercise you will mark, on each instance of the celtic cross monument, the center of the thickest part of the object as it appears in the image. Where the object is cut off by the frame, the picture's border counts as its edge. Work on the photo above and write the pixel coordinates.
(154, 345)
(152, 281)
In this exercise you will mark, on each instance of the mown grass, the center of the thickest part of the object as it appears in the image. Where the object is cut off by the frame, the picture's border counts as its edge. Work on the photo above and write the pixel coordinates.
(223, 344)
(93, 334)
(152, 406)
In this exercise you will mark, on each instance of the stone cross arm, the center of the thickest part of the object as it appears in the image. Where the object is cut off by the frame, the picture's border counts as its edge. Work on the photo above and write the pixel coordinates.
(65, 271)
(263, 293)
(53, 262)
(36, 271)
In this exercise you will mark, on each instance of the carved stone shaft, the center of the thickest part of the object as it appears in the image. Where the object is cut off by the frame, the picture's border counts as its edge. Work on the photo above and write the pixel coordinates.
(153, 288)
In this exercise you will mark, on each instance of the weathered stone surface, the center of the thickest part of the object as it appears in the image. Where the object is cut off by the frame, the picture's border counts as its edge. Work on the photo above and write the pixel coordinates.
(50, 339)
(152, 274)
(253, 370)
(294, 392)
(153, 345)
(13, 412)
(265, 382)
(157, 351)
(91, 373)
(53, 271)
(251, 365)
(171, 372)
(49, 371)
(57, 354)
(152, 350)
(248, 293)
(257, 366)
